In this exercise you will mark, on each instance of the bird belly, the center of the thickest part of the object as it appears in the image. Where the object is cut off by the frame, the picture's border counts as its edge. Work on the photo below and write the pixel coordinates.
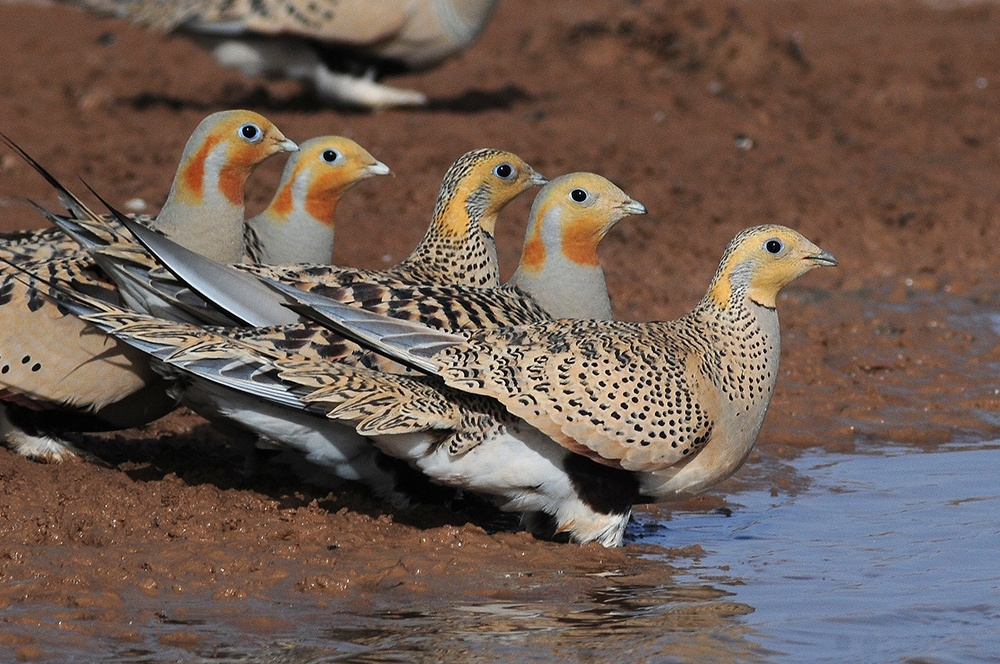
(722, 456)
(522, 470)
(335, 447)
(48, 357)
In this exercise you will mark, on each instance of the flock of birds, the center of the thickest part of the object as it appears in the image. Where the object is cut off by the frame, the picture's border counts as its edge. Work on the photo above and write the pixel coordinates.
(526, 393)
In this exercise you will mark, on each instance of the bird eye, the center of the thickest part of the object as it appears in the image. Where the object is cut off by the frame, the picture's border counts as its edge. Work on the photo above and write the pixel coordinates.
(504, 171)
(251, 133)
(330, 156)
(773, 246)
(579, 195)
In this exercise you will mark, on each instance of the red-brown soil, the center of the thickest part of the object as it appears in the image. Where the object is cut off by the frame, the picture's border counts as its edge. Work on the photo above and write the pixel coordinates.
(870, 126)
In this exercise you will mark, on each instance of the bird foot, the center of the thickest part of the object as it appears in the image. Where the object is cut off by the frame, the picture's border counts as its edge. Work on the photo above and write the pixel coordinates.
(46, 449)
(363, 92)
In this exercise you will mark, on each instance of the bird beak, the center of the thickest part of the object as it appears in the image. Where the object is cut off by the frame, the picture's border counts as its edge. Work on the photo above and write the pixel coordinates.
(378, 168)
(632, 206)
(288, 145)
(824, 258)
(537, 178)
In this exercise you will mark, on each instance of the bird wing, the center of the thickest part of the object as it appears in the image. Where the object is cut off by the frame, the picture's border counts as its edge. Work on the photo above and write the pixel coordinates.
(350, 23)
(625, 394)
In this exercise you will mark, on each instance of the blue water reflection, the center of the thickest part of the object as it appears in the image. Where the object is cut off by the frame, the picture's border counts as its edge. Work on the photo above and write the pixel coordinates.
(888, 556)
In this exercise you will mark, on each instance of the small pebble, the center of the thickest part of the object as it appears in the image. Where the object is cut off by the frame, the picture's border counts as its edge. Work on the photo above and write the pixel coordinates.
(136, 205)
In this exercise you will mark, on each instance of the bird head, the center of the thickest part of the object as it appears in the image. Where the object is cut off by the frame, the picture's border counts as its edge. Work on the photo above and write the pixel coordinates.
(317, 175)
(571, 215)
(223, 151)
(477, 186)
(762, 260)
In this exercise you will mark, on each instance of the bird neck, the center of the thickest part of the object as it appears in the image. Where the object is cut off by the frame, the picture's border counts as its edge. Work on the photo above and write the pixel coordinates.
(565, 288)
(459, 247)
(297, 227)
(299, 238)
(742, 347)
(204, 210)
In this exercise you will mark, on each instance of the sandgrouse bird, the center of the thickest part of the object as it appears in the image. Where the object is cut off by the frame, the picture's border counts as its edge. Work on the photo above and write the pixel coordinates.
(54, 372)
(341, 47)
(122, 392)
(225, 373)
(298, 225)
(458, 248)
(593, 415)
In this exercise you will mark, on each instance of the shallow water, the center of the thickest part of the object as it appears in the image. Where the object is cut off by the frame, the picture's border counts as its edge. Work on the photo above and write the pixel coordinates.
(887, 556)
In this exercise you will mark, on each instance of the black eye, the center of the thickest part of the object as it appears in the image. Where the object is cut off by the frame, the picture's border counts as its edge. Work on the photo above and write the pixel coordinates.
(774, 246)
(579, 195)
(251, 132)
(504, 171)
(330, 156)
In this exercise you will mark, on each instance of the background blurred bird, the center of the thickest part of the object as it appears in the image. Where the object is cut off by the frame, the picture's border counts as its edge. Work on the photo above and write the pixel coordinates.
(341, 47)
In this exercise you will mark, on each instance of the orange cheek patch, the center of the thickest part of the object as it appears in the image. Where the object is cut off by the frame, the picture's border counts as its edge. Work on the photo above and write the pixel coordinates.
(234, 173)
(281, 206)
(193, 175)
(579, 241)
(533, 256)
(323, 195)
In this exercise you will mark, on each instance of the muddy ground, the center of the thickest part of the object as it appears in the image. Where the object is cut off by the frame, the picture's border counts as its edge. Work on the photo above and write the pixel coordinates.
(870, 126)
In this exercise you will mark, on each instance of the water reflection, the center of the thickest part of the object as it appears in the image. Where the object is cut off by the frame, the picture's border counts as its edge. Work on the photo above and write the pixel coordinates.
(619, 616)
(639, 622)
(888, 556)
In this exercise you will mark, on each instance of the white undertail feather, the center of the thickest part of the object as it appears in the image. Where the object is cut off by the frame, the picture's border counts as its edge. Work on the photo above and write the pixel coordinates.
(316, 40)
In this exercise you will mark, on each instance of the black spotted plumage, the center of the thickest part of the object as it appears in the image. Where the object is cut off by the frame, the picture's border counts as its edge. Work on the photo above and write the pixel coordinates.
(458, 247)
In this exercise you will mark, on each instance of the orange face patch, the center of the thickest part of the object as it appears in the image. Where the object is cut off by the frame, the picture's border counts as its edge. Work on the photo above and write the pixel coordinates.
(193, 175)
(324, 193)
(240, 161)
(580, 238)
(533, 255)
(282, 204)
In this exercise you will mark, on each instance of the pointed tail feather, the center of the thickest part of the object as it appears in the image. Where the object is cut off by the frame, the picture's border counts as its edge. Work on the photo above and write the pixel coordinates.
(75, 206)
(136, 274)
(87, 235)
(240, 295)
